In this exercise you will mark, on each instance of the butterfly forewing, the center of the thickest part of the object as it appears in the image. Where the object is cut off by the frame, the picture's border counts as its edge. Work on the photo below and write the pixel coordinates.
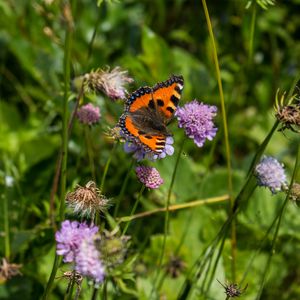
(167, 94)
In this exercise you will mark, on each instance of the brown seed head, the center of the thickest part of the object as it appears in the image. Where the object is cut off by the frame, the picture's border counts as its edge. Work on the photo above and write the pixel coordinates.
(87, 200)
(8, 270)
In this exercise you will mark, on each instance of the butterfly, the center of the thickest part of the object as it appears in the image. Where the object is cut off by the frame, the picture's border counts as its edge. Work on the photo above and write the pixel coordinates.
(147, 112)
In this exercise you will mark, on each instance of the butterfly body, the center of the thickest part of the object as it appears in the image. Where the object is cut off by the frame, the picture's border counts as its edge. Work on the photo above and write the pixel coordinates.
(148, 111)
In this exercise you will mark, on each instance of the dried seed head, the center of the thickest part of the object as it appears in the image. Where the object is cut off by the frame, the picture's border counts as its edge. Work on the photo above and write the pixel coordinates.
(69, 275)
(295, 192)
(175, 266)
(87, 200)
(112, 83)
(232, 290)
(113, 248)
(8, 270)
(287, 112)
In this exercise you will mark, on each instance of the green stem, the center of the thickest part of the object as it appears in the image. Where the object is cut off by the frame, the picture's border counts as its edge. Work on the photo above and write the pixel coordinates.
(272, 251)
(134, 208)
(124, 185)
(67, 62)
(95, 294)
(112, 152)
(89, 149)
(6, 228)
(47, 291)
(167, 215)
(252, 30)
(226, 137)
(63, 178)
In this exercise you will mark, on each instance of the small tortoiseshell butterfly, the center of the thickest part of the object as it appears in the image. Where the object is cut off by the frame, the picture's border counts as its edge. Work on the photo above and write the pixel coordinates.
(148, 111)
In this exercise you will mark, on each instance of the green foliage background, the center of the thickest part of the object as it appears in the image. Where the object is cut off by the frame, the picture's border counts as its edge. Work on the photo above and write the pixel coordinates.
(152, 40)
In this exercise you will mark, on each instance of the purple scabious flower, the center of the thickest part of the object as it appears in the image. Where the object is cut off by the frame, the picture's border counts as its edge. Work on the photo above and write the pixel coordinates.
(197, 120)
(139, 152)
(87, 261)
(70, 236)
(270, 173)
(149, 176)
(89, 114)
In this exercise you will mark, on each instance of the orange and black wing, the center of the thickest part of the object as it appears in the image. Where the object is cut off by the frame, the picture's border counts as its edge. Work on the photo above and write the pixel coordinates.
(138, 100)
(166, 95)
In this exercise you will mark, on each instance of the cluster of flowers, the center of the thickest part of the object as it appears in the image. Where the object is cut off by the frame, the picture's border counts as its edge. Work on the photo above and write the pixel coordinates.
(76, 243)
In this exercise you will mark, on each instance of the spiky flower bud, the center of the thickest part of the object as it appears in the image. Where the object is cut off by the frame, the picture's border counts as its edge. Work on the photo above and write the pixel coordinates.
(149, 176)
(295, 192)
(89, 114)
(113, 248)
(287, 112)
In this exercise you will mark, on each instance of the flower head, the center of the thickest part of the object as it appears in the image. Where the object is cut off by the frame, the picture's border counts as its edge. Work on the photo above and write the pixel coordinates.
(109, 82)
(140, 153)
(175, 266)
(149, 176)
(70, 237)
(87, 261)
(295, 192)
(113, 248)
(8, 270)
(270, 173)
(287, 112)
(232, 290)
(197, 120)
(87, 200)
(89, 114)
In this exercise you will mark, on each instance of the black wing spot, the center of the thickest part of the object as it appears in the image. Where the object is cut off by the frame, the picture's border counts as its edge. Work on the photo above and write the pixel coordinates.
(160, 102)
(151, 104)
(175, 100)
(141, 132)
(162, 143)
(149, 137)
(170, 109)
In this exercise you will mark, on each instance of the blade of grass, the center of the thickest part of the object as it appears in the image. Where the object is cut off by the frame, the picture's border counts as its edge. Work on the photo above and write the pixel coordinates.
(226, 136)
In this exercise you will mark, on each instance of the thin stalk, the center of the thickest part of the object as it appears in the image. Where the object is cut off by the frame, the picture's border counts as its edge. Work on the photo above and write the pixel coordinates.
(59, 159)
(252, 30)
(167, 216)
(6, 228)
(89, 149)
(112, 152)
(226, 137)
(67, 62)
(95, 294)
(176, 207)
(47, 291)
(134, 208)
(272, 251)
(122, 191)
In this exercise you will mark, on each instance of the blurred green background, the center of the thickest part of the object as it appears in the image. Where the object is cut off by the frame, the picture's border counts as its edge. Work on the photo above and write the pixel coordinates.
(152, 40)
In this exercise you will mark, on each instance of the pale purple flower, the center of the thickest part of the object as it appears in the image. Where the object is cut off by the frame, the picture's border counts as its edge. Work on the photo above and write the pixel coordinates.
(89, 114)
(87, 261)
(140, 153)
(149, 176)
(270, 173)
(197, 120)
(70, 236)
